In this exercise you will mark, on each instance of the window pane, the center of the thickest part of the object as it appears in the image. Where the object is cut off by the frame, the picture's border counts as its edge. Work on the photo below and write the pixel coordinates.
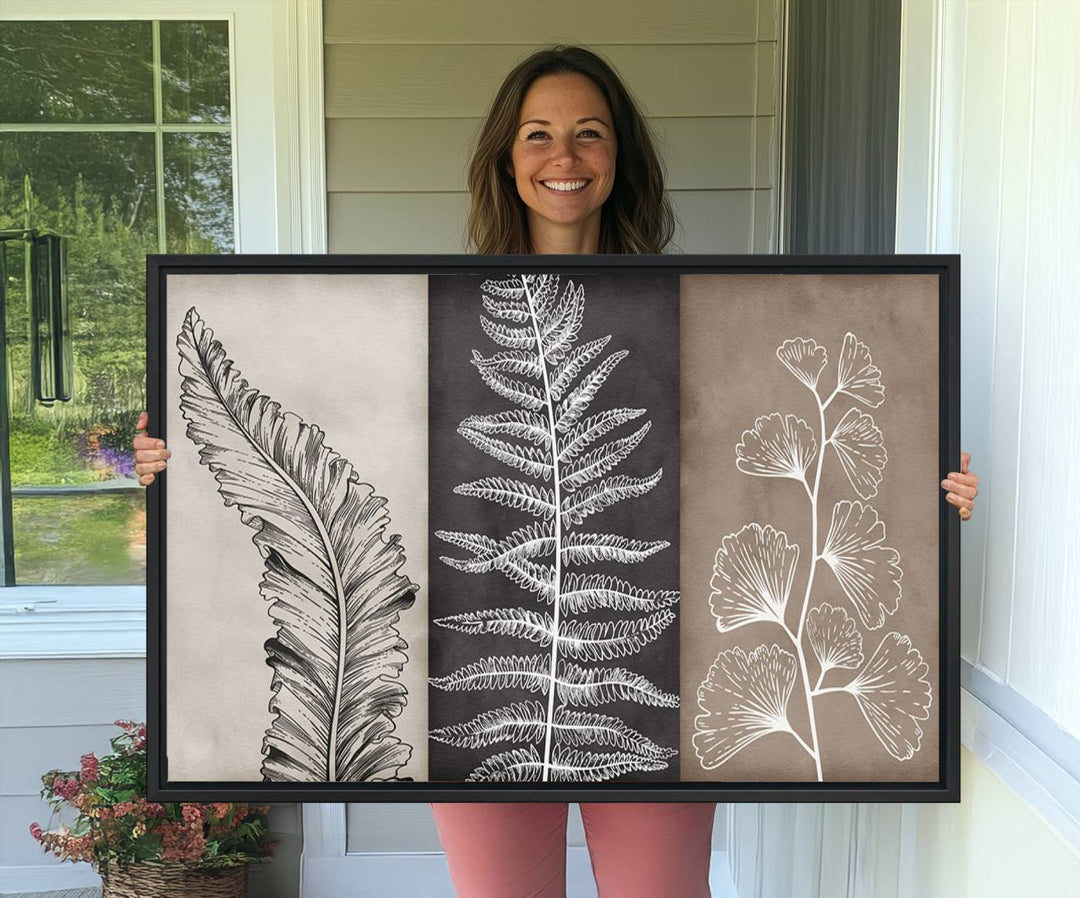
(76, 72)
(195, 71)
(198, 193)
(81, 540)
(97, 190)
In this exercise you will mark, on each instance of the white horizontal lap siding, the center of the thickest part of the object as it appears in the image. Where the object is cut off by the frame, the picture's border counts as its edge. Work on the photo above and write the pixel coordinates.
(407, 85)
(1009, 203)
(52, 713)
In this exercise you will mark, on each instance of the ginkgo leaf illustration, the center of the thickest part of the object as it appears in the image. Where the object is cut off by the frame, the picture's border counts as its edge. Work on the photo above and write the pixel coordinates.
(778, 446)
(861, 451)
(894, 694)
(835, 639)
(869, 572)
(332, 573)
(744, 697)
(567, 451)
(857, 375)
(803, 358)
(752, 577)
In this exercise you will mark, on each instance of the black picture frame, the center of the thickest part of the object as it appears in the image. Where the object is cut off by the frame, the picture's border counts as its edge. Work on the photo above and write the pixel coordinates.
(947, 789)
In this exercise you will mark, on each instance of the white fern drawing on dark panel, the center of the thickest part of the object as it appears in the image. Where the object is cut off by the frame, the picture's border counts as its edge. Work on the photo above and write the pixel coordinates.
(745, 695)
(568, 459)
(332, 574)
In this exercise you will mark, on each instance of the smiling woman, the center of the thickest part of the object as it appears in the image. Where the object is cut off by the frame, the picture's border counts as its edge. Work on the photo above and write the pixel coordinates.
(563, 162)
(560, 118)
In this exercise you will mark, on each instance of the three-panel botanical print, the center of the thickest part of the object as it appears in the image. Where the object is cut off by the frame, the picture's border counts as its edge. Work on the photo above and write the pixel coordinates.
(580, 528)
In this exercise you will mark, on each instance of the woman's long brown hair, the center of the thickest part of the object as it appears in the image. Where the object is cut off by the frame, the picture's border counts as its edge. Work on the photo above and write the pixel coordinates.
(637, 216)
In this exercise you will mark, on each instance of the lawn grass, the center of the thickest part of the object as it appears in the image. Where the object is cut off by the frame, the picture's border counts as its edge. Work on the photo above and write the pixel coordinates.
(81, 539)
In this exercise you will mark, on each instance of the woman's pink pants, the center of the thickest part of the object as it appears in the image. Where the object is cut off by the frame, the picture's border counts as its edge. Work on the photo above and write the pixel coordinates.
(518, 850)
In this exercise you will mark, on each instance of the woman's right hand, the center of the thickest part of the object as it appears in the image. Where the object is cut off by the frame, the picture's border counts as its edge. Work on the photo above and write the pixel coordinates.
(150, 454)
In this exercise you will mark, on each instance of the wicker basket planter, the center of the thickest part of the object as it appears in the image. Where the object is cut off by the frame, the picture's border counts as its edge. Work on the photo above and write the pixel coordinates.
(170, 880)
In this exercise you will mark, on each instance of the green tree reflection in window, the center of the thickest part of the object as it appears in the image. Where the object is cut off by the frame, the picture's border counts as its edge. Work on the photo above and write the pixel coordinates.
(123, 131)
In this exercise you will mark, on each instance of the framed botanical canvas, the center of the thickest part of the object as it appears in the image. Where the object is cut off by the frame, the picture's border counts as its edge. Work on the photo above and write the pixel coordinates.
(581, 528)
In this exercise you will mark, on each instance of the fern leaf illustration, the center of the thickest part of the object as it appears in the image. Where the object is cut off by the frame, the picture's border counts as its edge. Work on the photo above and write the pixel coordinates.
(507, 335)
(579, 685)
(512, 672)
(550, 436)
(571, 766)
(536, 500)
(588, 548)
(515, 766)
(599, 496)
(587, 432)
(588, 728)
(578, 399)
(520, 622)
(599, 461)
(567, 765)
(517, 312)
(512, 362)
(525, 395)
(572, 365)
(525, 722)
(332, 575)
(527, 542)
(519, 423)
(585, 592)
(525, 458)
(604, 640)
(518, 722)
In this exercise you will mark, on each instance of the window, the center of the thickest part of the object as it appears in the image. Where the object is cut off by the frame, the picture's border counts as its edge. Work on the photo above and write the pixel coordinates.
(116, 135)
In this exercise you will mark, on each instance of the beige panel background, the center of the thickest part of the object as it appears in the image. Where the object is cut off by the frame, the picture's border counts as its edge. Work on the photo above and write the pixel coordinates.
(408, 83)
(731, 326)
(362, 359)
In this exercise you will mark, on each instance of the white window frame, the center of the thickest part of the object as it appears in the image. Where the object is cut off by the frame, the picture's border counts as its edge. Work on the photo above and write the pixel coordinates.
(279, 201)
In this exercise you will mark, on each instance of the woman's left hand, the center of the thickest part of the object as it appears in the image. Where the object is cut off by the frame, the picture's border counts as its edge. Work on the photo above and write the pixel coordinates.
(962, 487)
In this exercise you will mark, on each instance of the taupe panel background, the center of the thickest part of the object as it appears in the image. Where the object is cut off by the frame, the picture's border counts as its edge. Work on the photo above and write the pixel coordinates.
(348, 352)
(731, 326)
(408, 82)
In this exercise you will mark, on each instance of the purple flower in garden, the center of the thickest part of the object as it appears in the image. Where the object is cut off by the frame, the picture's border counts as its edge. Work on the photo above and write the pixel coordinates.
(119, 462)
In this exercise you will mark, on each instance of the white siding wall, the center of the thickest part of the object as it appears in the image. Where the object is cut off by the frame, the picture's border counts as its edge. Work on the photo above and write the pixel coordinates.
(407, 84)
(1007, 170)
(53, 712)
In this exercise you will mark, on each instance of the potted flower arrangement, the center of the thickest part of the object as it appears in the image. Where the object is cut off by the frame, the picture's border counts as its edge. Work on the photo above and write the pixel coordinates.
(141, 847)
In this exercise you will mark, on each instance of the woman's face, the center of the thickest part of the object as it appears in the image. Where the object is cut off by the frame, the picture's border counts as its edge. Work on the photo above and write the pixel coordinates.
(563, 154)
